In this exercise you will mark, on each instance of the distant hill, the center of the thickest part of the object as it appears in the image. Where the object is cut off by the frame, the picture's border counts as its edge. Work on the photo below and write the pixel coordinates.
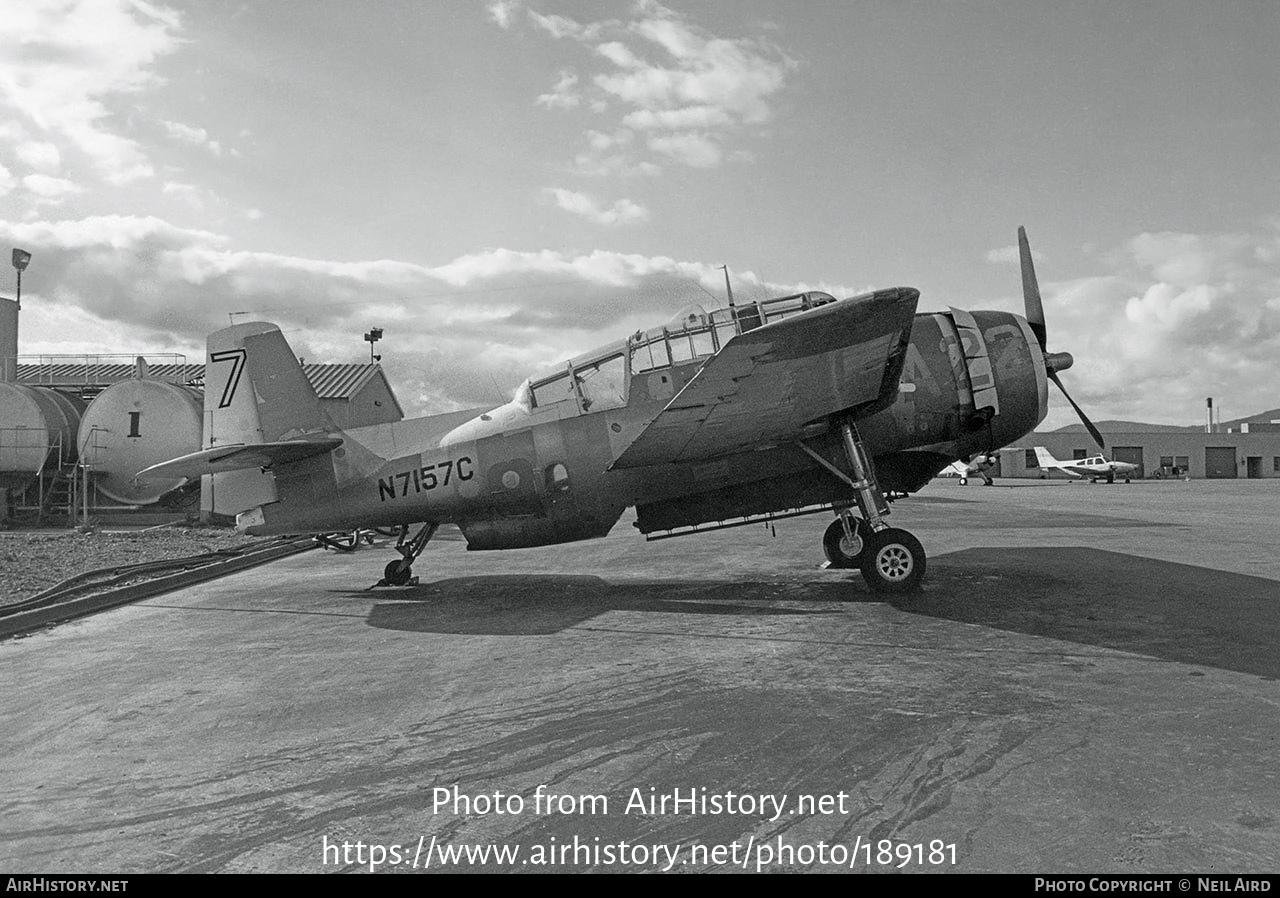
(1139, 427)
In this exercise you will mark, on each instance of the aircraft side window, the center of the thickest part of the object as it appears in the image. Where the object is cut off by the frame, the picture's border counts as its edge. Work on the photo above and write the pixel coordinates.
(702, 344)
(650, 356)
(602, 384)
(681, 348)
(725, 331)
(559, 389)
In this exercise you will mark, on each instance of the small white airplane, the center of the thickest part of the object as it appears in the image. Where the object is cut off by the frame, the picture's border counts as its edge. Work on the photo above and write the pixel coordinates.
(1096, 467)
(977, 466)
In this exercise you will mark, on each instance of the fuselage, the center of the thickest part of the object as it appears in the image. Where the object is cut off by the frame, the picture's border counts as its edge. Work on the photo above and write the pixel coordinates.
(536, 470)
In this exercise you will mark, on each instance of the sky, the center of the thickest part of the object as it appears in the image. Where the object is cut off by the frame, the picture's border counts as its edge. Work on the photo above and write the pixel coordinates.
(503, 185)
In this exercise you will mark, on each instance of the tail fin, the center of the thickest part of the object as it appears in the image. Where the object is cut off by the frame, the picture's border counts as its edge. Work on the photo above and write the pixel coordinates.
(1045, 459)
(255, 389)
(256, 393)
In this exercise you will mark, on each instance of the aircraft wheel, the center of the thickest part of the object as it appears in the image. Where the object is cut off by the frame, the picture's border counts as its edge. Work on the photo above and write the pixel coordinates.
(394, 576)
(1126, 480)
(893, 561)
(964, 481)
(840, 550)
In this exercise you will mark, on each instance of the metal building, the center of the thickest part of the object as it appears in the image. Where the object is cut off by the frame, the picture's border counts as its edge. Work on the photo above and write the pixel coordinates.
(1251, 454)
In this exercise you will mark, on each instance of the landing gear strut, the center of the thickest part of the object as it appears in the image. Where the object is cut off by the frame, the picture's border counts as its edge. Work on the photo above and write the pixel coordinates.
(400, 572)
(891, 560)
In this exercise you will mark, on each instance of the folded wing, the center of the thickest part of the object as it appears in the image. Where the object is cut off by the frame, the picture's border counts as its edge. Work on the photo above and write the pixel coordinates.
(765, 385)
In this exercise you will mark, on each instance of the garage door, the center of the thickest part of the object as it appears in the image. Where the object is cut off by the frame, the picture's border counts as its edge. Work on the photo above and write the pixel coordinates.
(1219, 461)
(1132, 455)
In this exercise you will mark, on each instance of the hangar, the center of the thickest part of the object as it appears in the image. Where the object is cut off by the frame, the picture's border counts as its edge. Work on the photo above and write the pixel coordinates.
(1246, 450)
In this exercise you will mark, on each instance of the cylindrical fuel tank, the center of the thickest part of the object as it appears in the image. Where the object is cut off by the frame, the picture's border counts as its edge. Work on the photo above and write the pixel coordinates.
(132, 425)
(34, 422)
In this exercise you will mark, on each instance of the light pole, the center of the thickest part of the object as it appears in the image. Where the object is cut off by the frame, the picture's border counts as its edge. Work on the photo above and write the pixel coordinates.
(20, 259)
(9, 324)
(373, 336)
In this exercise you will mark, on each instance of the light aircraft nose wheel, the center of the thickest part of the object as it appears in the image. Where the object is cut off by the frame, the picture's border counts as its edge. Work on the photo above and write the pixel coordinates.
(394, 576)
(893, 561)
(841, 551)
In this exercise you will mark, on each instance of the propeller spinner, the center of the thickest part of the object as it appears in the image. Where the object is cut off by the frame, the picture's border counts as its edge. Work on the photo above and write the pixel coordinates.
(1053, 361)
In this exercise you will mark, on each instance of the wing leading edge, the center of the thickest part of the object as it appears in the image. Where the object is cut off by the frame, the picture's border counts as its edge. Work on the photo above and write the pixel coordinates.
(763, 386)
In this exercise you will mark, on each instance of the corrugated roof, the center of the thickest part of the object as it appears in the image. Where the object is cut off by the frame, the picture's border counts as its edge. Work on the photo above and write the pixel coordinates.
(100, 374)
(336, 381)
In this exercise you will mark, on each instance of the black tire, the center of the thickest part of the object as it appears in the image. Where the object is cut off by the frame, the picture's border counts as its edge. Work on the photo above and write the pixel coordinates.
(836, 545)
(964, 481)
(394, 576)
(893, 561)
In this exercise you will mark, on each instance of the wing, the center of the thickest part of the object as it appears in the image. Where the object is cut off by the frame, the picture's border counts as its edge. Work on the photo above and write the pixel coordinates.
(238, 457)
(763, 386)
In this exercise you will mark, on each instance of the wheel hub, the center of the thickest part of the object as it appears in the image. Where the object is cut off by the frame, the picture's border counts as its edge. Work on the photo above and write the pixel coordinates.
(894, 563)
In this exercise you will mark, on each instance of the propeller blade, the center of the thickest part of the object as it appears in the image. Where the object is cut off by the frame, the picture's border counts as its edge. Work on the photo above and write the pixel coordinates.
(1084, 419)
(1031, 289)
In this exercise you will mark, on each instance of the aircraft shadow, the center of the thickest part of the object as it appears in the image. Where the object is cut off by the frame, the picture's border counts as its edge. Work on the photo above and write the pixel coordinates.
(1174, 612)
(524, 605)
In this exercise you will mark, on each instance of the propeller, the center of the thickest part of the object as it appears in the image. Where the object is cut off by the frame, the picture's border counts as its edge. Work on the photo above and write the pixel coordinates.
(1053, 361)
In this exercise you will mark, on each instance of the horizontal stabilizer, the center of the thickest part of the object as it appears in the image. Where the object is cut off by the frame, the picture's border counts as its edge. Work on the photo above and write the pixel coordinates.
(239, 457)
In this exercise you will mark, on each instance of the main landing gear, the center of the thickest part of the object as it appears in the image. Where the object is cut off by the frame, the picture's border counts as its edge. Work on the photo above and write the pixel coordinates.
(400, 572)
(891, 560)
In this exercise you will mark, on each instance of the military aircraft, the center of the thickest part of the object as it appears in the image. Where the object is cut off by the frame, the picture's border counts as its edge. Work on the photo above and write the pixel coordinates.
(753, 412)
(1096, 467)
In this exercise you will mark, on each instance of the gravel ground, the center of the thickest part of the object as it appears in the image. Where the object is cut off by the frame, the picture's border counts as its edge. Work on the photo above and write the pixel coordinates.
(31, 561)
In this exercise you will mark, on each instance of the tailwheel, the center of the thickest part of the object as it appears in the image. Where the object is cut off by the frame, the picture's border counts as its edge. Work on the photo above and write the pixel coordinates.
(893, 561)
(400, 571)
(841, 550)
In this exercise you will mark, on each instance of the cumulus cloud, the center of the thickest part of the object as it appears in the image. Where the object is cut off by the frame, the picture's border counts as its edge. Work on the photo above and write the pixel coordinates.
(1182, 316)
(500, 13)
(659, 73)
(194, 136)
(693, 150)
(62, 62)
(48, 189)
(623, 211)
(41, 155)
(459, 334)
(560, 26)
(563, 95)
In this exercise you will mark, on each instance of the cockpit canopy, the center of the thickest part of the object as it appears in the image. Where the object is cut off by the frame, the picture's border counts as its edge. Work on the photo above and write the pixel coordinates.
(598, 380)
